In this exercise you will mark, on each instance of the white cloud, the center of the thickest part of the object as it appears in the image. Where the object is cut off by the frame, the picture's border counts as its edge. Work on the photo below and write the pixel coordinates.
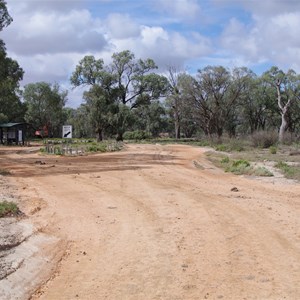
(273, 39)
(271, 7)
(165, 48)
(151, 36)
(240, 40)
(27, 6)
(121, 26)
(42, 33)
(183, 9)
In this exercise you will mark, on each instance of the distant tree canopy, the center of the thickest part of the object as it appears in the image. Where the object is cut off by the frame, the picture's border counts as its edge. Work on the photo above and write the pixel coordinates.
(116, 90)
(128, 95)
(5, 18)
(11, 108)
(45, 106)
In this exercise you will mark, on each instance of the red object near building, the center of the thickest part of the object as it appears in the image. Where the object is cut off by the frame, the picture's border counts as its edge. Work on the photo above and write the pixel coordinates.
(42, 133)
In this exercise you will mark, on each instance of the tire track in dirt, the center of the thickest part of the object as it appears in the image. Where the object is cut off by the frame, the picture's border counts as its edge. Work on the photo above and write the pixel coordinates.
(145, 223)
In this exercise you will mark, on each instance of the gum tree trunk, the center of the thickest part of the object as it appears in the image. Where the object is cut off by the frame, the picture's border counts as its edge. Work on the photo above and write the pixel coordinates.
(283, 111)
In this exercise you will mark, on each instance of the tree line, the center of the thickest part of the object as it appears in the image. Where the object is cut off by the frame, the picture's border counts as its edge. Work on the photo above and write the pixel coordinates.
(130, 95)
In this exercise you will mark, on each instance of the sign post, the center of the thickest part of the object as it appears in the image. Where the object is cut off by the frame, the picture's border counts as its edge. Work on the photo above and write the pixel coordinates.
(67, 132)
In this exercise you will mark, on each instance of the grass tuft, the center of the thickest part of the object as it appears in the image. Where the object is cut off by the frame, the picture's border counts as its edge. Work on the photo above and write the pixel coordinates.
(291, 172)
(8, 209)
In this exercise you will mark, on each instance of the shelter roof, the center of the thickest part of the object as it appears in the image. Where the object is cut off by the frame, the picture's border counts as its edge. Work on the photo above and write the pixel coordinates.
(8, 125)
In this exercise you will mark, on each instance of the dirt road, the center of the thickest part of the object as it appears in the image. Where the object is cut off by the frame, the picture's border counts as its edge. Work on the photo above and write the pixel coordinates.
(160, 222)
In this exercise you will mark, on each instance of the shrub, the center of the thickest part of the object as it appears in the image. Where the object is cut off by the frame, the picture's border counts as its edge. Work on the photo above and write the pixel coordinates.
(225, 160)
(137, 135)
(97, 147)
(231, 145)
(264, 139)
(239, 167)
(262, 171)
(222, 148)
(273, 149)
(241, 162)
(8, 209)
(292, 172)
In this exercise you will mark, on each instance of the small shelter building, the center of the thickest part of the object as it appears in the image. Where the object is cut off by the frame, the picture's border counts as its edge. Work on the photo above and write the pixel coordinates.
(13, 133)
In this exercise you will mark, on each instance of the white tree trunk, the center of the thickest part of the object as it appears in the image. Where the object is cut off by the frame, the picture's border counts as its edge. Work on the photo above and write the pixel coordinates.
(283, 110)
(282, 128)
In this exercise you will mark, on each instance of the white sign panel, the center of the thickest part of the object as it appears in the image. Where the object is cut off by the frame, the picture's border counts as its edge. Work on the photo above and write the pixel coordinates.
(20, 139)
(67, 132)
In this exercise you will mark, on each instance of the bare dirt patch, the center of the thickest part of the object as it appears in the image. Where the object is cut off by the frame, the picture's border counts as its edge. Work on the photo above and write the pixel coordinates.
(148, 223)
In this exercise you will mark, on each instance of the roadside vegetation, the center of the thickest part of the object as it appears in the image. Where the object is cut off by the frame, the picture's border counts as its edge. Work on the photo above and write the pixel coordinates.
(78, 146)
(244, 156)
(290, 171)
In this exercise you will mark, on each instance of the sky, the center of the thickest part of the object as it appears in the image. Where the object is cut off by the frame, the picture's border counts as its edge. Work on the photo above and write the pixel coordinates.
(49, 38)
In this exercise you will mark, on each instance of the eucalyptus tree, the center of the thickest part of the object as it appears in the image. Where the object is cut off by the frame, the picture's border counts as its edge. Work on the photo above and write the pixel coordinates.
(45, 103)
(136, 80)
(11, 108)
(101, 96)
(5, 18)
(150, 118)
(124, 82)
(137, 85)
(255, 105)
(286, 88)
(79, 118)
(174, 98)
(214, 94)
(100, 107)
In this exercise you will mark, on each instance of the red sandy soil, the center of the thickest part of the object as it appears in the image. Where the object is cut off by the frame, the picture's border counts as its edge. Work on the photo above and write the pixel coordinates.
(158, 222)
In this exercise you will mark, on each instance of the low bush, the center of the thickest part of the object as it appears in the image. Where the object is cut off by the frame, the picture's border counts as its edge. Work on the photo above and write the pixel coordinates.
(264, 139)
(291, 172)
(225, 160)
(8, 209)
(137, 135)
(239, 167)
(262, 171)
(231, 145)
(273, 149)
(97, 147)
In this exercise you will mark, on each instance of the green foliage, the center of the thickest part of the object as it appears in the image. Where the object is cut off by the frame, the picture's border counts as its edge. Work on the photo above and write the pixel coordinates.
(230, 145)
(263, 172)
(116, 90)
(8, 209)
(45, 103)
(11, 108)
(149, 118)
(137, 135)
(221, 147)
(290, 171)
(97, 147)
(273, 149)
(5, 18)
(225, 160)
(243, 167)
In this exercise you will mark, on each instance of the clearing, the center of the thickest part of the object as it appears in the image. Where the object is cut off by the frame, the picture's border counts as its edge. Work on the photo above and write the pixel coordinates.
(150, 222)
